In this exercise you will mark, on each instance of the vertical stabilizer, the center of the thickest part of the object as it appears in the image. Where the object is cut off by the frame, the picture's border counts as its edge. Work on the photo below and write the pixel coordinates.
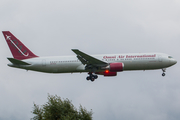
(18, 49)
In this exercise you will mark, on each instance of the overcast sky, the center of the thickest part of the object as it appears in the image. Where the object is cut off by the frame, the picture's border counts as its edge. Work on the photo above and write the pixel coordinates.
(54, 27)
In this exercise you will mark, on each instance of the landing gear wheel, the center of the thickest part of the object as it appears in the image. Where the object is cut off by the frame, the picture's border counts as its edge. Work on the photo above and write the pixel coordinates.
(95, 76)
(88, 78)
(164, 70)
(163, 74)
(92, 79)
(91, 76)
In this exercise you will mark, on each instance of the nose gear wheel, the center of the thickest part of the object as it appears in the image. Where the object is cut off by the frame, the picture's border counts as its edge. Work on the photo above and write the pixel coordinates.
(164, 70)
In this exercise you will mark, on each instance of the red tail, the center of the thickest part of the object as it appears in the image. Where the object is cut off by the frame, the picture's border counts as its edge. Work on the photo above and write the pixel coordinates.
(18, 49)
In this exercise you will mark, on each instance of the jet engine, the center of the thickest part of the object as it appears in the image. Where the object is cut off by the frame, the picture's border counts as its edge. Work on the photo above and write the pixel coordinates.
(114, 67)
(107, 73)
(110, 73)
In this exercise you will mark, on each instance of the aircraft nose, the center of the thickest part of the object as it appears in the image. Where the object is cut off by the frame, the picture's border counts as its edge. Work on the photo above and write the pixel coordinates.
(173, 61)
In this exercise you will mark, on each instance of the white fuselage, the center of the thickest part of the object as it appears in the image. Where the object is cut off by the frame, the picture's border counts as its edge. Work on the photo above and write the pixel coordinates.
(70, 64)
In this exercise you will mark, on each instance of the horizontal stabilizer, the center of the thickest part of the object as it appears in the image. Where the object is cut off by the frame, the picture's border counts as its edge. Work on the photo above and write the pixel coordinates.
(17, 62)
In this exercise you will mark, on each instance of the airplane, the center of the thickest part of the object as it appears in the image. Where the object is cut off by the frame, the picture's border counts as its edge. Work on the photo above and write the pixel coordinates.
(94, 65)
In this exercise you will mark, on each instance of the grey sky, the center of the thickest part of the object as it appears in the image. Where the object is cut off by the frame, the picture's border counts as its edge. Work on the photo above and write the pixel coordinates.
(53, 28)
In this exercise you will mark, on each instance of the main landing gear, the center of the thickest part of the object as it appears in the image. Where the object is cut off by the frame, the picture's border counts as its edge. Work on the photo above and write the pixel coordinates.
(164, 70)
(91, 77)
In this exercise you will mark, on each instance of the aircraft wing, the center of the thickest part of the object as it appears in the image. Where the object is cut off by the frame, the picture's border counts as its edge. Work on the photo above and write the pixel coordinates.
(87, 59)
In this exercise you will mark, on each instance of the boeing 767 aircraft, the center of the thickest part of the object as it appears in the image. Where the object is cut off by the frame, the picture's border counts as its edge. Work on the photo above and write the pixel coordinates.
(105, 64)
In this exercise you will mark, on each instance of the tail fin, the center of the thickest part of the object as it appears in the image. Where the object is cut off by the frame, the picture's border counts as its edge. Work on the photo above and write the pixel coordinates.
(18, 49)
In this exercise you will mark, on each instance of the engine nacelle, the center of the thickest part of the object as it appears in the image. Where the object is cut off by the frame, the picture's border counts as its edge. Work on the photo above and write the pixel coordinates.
(110, 73)
(107, 73)
(116, 67)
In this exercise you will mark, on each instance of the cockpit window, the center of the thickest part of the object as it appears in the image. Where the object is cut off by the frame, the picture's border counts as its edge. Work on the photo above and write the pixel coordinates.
(170, 57)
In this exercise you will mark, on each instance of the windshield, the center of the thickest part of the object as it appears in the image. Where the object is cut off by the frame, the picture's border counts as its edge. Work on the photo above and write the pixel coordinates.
(170, 57)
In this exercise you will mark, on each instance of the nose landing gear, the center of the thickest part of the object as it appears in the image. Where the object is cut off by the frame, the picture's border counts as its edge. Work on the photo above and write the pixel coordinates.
(163, 74)
(164, 70)
(91, 77)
